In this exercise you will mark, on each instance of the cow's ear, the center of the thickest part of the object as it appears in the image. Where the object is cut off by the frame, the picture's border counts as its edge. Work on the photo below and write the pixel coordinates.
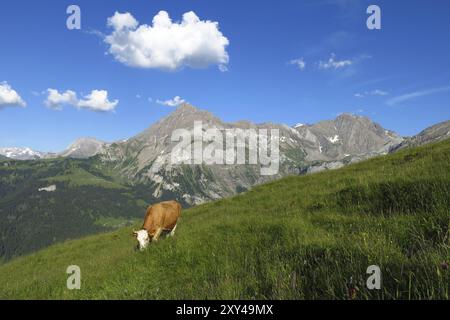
(134, 234)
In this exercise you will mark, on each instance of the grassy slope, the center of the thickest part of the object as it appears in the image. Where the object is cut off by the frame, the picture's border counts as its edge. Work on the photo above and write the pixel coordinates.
(299, 237)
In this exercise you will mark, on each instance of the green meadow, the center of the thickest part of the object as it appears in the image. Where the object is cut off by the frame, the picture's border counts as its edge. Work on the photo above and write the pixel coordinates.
(305, 237)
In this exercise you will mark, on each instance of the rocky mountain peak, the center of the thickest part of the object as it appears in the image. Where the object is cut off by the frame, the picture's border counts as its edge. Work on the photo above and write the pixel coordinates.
(182, 118)
(188, 112)
(348, 115)
(84, 148)
(437, 132)
(186, 108)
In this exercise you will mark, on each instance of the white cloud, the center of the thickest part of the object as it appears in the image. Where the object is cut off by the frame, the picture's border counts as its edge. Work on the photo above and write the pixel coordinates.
(56, 100)
(332, 63)
(121, 21)
(376, 92)
(165, 44)
(175, 102)
(10, 97)
(97, 100)
(223, 68)
(416, 94)
(299, 63)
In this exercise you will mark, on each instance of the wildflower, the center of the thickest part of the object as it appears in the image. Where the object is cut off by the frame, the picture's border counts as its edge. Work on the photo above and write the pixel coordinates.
(352, 289)
(352, 293)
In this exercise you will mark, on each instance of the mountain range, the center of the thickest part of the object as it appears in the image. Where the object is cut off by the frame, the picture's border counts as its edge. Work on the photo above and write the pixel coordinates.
(304, 148)
(145, 158)
(82, 148)
(21, 154)
(438, 132)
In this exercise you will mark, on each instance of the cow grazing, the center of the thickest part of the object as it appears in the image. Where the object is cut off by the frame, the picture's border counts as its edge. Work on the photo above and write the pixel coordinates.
(161, 217)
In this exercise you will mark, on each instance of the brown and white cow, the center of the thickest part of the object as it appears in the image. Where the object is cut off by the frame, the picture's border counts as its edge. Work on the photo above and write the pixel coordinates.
(160, 217)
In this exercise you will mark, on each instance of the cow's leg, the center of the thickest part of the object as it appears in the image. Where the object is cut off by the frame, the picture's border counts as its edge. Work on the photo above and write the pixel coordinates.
(157, 234)
(172, 233)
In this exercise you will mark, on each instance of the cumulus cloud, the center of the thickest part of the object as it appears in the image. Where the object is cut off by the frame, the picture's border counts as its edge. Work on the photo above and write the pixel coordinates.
(376, 92)
(97, 100)
(299, 63)
(121, 21)
(9, 97)
(175, 102)
(165, 44)
(333, 63)
(56, 100)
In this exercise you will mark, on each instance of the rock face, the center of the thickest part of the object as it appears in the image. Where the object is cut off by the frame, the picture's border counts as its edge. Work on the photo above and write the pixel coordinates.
(347, 135)
(438, 132)
(146, 158)
(84, 148)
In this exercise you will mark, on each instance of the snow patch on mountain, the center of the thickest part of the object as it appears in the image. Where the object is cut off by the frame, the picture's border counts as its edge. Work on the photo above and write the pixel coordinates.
(21, 153)
(334, 139)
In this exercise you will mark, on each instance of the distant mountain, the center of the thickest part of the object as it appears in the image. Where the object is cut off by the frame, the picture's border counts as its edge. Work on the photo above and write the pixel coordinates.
(145, 158)
(347, 135)
(438, 132)
(21, 153)
(84, 148)
(349, 138)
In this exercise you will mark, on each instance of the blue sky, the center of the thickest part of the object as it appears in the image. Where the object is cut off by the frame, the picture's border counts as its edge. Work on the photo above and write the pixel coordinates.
(398, 76)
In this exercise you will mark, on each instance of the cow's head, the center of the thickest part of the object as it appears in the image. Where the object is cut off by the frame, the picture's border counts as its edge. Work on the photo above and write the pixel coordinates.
(143, 238)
